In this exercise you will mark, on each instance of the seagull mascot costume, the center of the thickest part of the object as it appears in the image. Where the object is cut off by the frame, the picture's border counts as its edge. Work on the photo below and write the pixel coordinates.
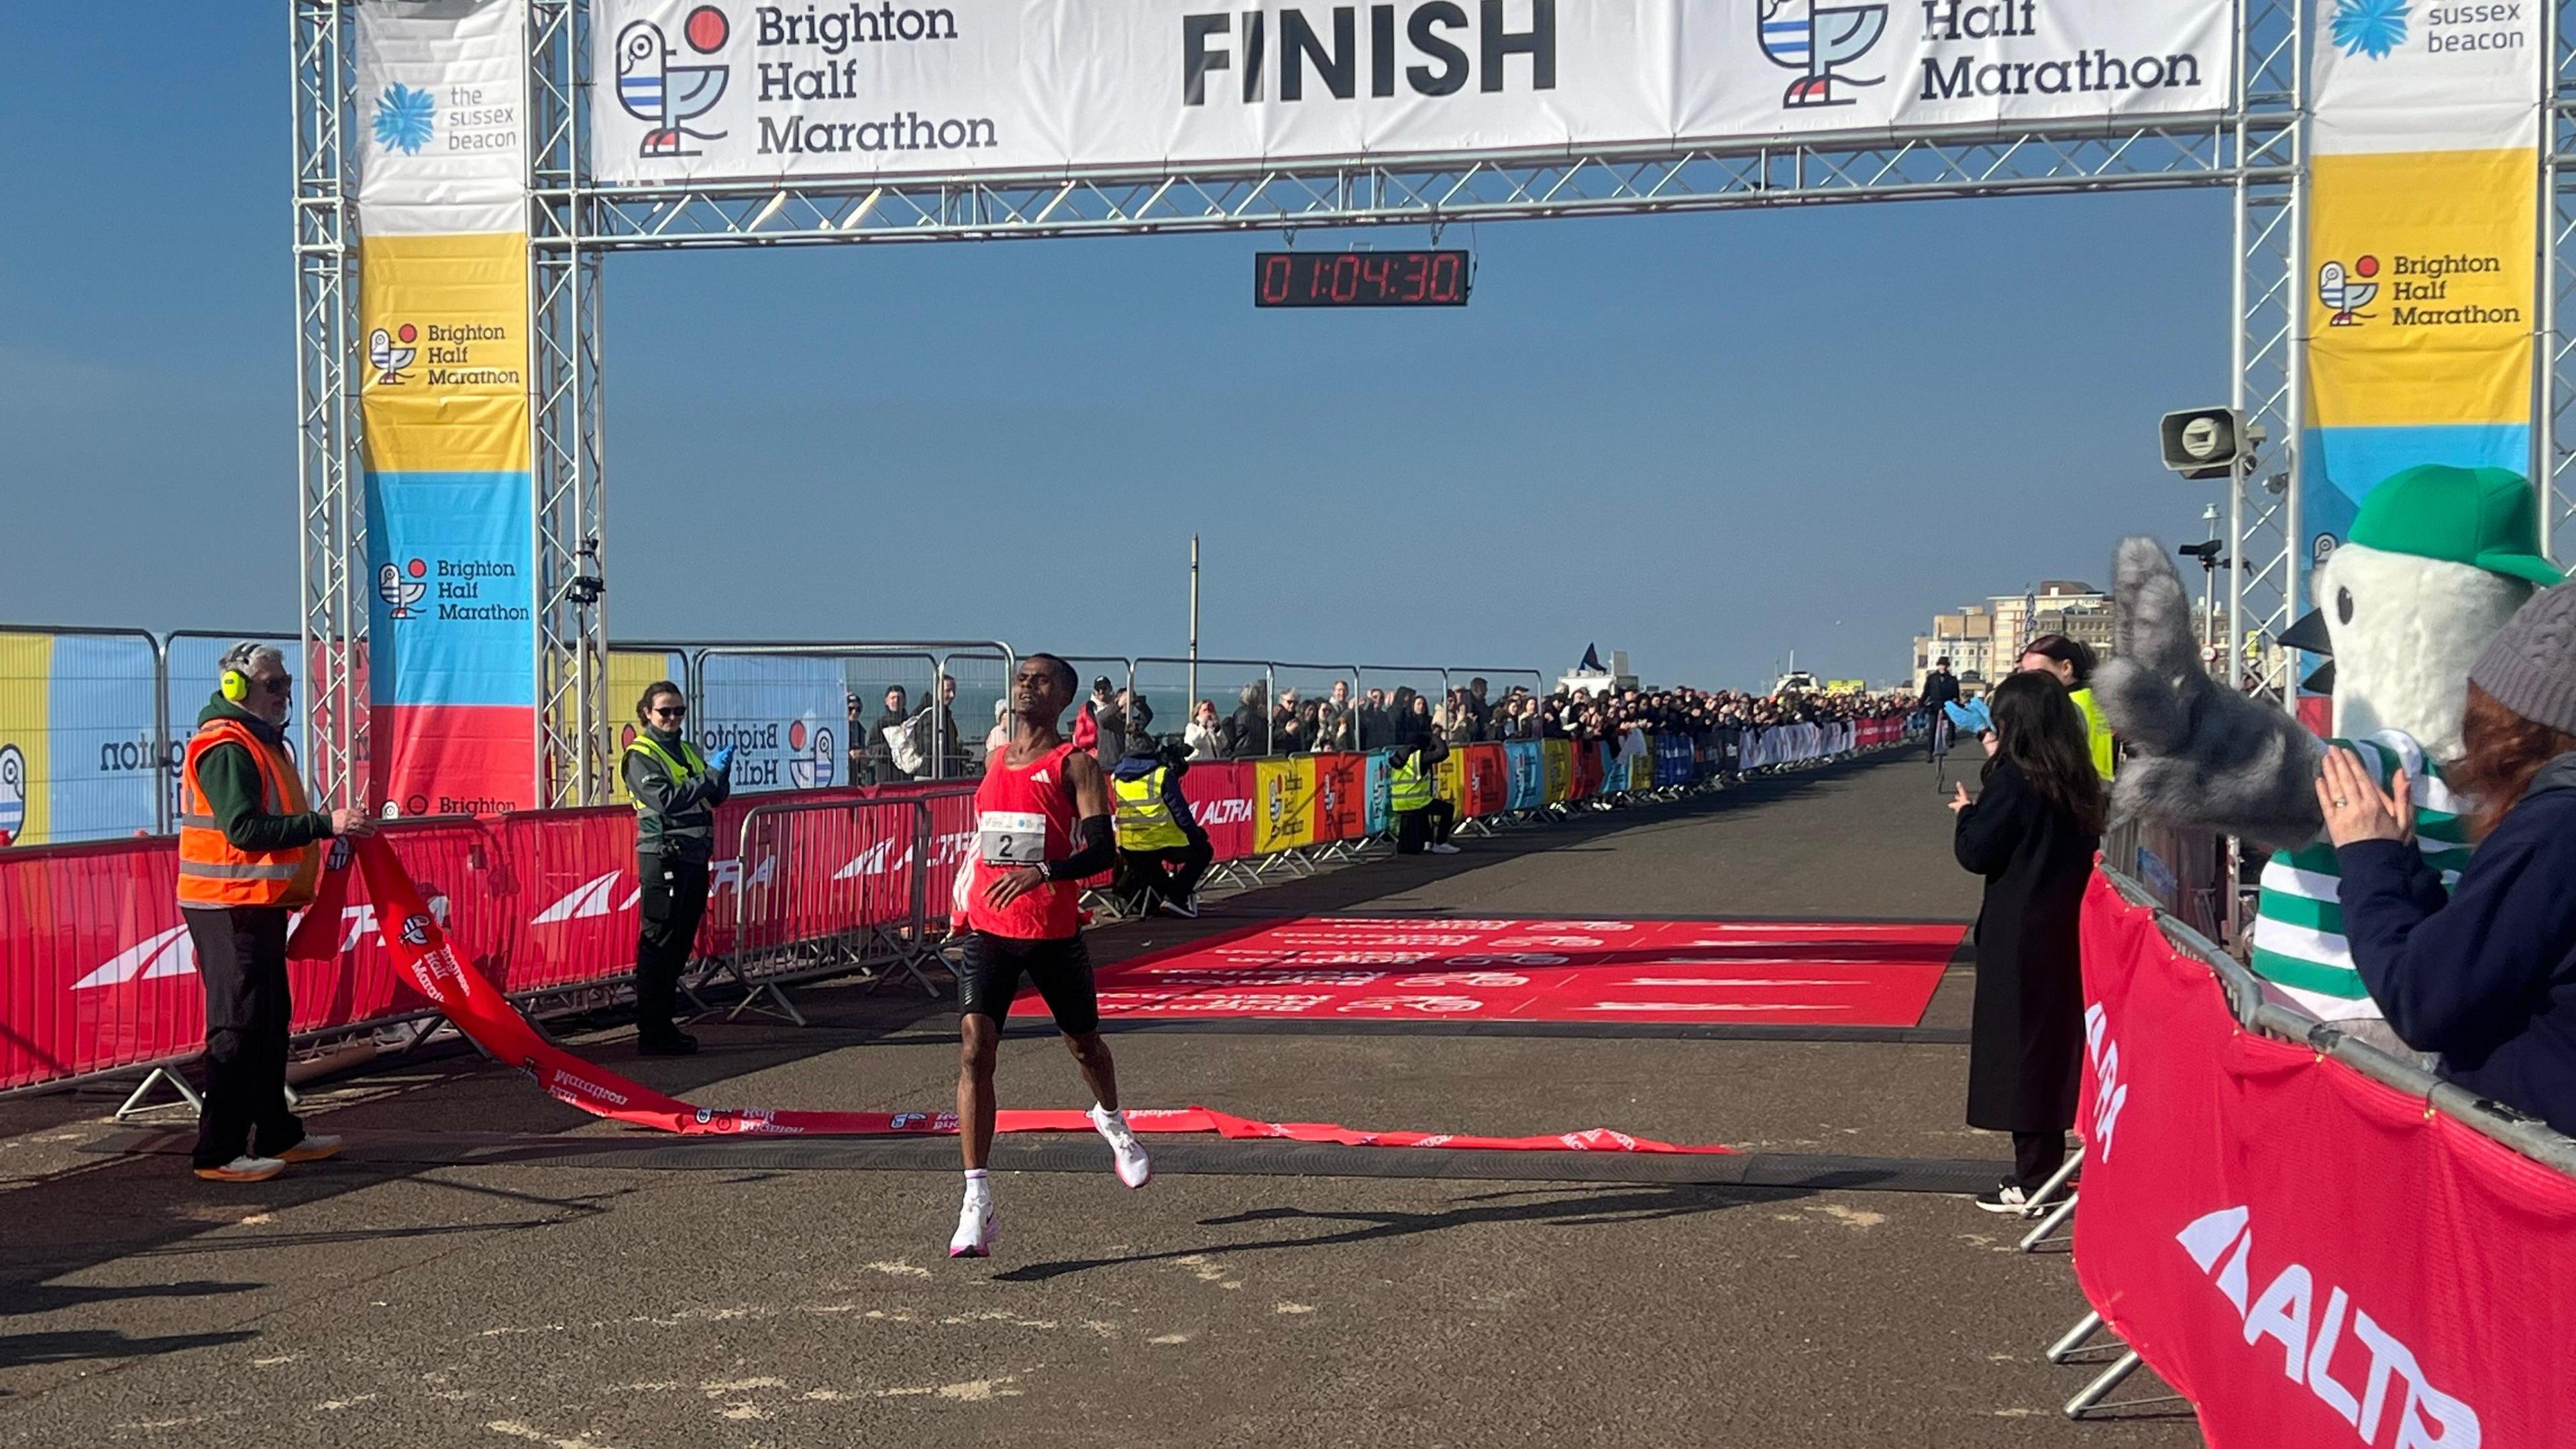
(2440, 558)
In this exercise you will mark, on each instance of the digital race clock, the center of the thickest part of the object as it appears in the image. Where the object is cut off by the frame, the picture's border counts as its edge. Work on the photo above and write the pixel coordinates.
(1360, 279)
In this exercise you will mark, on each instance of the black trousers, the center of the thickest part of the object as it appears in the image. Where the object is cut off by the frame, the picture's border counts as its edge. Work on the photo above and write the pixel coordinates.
(241, 957)
(675, 900)
(2037, 1156)
(1418, 830)
(1172, 873)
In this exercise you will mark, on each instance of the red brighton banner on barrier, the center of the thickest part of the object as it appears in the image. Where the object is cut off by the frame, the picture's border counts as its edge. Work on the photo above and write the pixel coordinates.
(421, 952)
(2309, 1256)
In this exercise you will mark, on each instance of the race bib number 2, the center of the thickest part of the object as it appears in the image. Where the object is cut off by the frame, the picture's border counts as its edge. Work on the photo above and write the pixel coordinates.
(1011, 837)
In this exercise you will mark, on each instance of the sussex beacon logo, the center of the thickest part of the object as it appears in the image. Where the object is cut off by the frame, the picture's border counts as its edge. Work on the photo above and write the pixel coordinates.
(401, 586)
(2369, 27)
(405, 118)
(666, 97)
(1813, 39)
(2344, 291)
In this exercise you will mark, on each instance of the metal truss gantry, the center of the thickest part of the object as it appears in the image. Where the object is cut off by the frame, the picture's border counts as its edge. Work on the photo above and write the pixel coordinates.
(2254, 150)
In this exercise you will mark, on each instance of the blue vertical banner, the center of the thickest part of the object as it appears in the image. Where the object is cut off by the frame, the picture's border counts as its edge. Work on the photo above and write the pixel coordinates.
(1381, 815)
(453, 641)
(1529, 774)
(783, 716)
(104, 709)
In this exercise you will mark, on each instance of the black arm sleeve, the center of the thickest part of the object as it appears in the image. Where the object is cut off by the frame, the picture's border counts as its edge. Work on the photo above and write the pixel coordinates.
(651, 785)
(1098, 851)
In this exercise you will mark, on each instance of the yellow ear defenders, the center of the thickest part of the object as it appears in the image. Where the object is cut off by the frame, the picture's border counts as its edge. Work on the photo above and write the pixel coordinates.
(236, 685)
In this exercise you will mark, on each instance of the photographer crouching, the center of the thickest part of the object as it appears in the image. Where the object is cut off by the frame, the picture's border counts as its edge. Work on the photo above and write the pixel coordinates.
(676, 792)
(1162, 852)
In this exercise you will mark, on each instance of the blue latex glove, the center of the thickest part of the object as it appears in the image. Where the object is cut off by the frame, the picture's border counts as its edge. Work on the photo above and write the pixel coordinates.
(1974, 718)
(721, 762)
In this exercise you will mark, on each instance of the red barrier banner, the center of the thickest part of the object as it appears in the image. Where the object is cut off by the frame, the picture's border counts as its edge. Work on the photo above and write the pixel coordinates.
(1487, 786)
(1341, 797)
(1220, 799)
(2309, 1256)
(1583, 778)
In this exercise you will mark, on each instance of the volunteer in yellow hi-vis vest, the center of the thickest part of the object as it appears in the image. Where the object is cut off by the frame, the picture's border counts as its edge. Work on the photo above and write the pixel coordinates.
(250, 852)
(1422, 819)
(2071, 660)
(1162, 851)
(676, 792)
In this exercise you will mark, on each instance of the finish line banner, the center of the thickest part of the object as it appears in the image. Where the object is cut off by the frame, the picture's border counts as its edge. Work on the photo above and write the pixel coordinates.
(731, 91)
(418, 943)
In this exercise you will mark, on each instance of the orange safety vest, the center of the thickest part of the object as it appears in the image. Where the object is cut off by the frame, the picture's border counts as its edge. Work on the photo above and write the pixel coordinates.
(211, 871)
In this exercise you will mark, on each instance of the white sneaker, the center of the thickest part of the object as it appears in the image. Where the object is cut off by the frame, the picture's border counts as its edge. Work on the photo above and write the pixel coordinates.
(244, 1168)
(976, 1230)
(1444, 848)
(1126, 1154)
(315, 1147)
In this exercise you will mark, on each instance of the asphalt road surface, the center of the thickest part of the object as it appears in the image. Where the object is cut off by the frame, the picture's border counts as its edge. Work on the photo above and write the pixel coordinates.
(489, 1267)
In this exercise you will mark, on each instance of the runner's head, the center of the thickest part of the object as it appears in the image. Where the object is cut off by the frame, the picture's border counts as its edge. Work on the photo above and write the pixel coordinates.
(1044, 687)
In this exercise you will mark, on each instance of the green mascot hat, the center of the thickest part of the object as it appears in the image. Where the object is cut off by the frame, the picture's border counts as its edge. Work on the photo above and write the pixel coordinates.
(2484, 517)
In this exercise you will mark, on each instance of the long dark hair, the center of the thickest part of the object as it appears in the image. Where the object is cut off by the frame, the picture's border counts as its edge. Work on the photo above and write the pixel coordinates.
(2499, 753)
(2039, 728)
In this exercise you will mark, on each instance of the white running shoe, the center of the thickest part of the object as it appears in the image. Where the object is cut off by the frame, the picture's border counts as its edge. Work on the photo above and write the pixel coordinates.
(976, 1230)
(245, 1168)
(1125, 1152)
(1444, 848)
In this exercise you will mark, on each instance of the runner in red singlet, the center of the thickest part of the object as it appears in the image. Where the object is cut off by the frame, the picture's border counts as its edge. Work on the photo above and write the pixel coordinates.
(1041, 828)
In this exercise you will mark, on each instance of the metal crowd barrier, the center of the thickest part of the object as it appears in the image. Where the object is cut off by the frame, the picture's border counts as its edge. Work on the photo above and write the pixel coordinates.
(829, 887)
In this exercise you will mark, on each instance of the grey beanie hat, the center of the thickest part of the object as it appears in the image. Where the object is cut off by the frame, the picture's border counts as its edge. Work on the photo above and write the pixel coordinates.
(2530, 665)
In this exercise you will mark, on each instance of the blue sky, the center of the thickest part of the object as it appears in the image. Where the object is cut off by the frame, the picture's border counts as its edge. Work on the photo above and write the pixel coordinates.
(1705, 440)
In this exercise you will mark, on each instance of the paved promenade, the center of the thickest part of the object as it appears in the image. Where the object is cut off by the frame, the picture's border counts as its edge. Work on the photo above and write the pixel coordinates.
(489, 1267)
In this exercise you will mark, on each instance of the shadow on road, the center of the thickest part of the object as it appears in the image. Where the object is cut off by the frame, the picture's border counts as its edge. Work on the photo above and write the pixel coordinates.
(1551, 1207)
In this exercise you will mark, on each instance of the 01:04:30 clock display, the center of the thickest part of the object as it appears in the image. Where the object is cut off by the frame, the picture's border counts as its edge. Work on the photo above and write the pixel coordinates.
(1360, 279)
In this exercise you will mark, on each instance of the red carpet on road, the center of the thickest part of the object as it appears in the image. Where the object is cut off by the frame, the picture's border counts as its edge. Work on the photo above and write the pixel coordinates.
(1874, 974)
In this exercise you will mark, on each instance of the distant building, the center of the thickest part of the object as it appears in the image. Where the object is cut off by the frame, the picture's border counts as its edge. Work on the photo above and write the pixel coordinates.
(1966, 639)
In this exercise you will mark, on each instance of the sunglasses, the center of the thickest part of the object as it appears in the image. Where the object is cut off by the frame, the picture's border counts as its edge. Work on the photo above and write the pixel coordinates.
(682, 712)
(277, 685)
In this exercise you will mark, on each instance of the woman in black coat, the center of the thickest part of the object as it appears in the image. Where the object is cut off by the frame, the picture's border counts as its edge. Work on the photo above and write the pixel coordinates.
(2031, 833)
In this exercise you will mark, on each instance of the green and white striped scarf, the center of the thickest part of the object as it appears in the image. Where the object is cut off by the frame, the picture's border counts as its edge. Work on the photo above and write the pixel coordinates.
(2299, 942)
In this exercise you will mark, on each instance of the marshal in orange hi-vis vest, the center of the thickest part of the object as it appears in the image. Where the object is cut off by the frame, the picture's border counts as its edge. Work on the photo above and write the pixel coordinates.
(211, 871)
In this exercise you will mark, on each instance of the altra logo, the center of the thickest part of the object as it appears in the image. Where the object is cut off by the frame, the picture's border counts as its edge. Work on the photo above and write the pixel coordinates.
(2110, 1094)
(1232, 810)
(878, 859)
(172, 953)
(592, 898)
(2287, 1312)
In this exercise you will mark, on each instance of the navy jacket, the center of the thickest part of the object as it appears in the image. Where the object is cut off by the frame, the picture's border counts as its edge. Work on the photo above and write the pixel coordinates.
(2486, 976)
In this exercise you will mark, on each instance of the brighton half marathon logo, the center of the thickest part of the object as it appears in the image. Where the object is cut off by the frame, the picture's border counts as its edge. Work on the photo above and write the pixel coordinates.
(1813, 39)
(665, 97)
(401, 586)
(2369, 27)
(388, 353)
(2344, 291)
(809, 760)
(405, 118)
(13, 793)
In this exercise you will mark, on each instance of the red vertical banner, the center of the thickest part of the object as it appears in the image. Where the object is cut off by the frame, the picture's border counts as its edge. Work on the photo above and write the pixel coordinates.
(1488, 782)
(1220, 799)
(1341, 797)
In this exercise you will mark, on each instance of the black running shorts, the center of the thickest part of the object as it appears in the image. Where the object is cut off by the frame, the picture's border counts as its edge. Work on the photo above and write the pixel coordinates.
(1060, 968)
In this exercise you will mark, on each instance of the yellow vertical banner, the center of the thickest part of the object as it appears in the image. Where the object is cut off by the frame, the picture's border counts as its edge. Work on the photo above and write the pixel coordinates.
(1559, 755)
(629, 671)
(2421, 291)
(1283, 804)
(26, 731)
(1452, 775)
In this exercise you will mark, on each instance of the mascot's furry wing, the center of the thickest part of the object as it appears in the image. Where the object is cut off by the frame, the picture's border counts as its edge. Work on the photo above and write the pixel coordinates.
(2205, 757)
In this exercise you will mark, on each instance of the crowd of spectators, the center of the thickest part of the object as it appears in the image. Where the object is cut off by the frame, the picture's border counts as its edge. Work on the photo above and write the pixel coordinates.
(1301, 722)
(906, 737)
